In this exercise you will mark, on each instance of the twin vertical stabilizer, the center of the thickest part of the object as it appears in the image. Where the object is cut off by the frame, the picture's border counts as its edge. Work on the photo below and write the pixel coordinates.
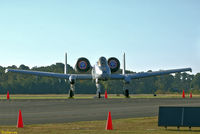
(65, 67)
(124, 64)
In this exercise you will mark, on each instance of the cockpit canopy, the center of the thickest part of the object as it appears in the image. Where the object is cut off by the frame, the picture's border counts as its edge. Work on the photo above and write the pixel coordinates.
(102, 61)
(112, 62)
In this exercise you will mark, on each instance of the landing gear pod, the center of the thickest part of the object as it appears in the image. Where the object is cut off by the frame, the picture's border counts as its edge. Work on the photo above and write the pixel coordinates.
(114, 64)
(82, 65)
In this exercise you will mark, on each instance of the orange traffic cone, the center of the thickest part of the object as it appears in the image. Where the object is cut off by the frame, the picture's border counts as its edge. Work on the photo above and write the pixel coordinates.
(106, 95)
(183, 95)
(190, 94)
(8, 96)
(20, 121)
(109, 122)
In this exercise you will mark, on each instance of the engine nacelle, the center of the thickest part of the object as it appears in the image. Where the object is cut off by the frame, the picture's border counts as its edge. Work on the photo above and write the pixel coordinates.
(82, 65)
(114, 64)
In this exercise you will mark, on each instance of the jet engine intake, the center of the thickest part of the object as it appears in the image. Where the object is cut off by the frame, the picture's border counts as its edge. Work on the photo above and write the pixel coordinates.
(114, 64)
(82, 65)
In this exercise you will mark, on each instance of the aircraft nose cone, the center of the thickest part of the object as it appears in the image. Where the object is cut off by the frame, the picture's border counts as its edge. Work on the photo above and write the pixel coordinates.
(101, 72)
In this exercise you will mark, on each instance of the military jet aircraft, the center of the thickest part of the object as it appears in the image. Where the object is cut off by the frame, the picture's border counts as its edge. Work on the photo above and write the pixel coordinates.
(103, 70)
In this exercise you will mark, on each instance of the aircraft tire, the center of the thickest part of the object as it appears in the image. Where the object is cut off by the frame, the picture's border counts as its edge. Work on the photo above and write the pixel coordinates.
(99, 95)
(71, 94)
(126, 93)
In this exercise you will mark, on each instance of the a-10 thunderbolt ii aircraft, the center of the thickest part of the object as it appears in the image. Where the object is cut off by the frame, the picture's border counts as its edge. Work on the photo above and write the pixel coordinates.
(103, 70)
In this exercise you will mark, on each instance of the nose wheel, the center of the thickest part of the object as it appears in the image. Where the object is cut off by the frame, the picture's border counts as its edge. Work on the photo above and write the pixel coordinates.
(98, 85)
(99, 95)
(98, 90)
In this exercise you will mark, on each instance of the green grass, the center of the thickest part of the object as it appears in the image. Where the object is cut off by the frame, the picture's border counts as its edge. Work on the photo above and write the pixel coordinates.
(146, 125)
(90, 96)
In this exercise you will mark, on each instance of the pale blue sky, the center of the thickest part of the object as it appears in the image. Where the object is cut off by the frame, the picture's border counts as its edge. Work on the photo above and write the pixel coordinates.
(155, 34)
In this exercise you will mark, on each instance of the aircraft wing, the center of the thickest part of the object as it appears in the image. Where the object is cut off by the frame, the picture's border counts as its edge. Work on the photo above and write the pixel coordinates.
(50, 74)
(148, 74)
(89, 76)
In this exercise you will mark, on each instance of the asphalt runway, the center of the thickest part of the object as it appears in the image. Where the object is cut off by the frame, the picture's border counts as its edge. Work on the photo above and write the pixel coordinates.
(71, 110)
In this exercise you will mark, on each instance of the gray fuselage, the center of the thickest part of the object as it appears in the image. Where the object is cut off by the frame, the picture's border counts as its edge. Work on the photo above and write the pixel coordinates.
(101, 70)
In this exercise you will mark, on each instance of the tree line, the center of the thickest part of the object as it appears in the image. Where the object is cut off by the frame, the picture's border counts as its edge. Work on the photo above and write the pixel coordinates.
(17, 83)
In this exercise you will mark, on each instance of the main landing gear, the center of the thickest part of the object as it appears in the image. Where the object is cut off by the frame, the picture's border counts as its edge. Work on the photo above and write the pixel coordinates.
(72, 80)
(71, 90)
(126, 91)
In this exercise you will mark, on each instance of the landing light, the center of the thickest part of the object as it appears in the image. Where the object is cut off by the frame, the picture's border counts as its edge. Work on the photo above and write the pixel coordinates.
(6, 71)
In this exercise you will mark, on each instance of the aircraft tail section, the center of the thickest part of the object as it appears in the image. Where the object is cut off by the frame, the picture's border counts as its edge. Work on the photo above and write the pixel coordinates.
(124, 64)
(65, 67)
